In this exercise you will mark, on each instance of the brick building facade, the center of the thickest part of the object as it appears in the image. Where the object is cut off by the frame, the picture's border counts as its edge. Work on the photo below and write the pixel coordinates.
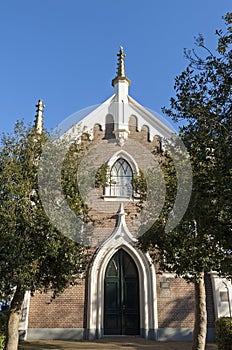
(122, 293)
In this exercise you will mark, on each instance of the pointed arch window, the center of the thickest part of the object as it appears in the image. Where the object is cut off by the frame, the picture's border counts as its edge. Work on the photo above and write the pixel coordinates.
(121, 176)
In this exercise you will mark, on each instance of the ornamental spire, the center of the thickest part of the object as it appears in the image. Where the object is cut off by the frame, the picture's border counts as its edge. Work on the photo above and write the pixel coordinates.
(121, 74)
(39, 117)
(121, 64)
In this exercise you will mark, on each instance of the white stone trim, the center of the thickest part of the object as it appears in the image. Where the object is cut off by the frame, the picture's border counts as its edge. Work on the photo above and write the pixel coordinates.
(135, 170)
(121, 238)
(121, 112)
(222, 308)
(23, 323)
(127, 157)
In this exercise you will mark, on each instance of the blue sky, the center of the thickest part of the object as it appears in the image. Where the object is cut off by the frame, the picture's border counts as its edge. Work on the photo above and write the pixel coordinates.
(64, 51)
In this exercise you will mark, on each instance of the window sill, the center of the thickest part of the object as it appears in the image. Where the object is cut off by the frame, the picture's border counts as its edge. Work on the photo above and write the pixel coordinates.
(120, 199)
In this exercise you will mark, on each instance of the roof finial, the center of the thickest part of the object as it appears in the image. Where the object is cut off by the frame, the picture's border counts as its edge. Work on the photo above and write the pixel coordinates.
(39, 117)
(121, 65)
(121, 75)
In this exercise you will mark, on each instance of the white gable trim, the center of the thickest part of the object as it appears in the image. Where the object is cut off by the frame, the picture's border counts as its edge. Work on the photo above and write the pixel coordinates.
(121, 113)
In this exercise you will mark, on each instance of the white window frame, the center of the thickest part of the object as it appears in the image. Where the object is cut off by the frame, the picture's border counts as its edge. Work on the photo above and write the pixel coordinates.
(108, 187)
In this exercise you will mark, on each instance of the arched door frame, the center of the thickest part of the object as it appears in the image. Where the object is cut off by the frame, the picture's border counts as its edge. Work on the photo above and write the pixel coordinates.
(121, 238)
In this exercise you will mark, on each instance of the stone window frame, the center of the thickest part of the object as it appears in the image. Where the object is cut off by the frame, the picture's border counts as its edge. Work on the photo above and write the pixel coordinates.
(111, 162)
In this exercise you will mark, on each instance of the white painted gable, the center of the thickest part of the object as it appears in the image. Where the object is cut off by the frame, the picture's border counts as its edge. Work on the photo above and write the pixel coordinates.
(120, 106)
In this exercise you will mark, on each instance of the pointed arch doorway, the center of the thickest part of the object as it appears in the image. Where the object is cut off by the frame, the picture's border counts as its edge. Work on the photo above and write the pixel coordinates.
(121, 296)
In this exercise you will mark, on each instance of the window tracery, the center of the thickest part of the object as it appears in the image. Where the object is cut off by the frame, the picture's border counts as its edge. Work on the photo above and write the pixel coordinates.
(121, 177)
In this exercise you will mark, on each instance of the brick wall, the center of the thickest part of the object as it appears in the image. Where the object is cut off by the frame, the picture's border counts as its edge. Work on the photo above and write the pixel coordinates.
(104, 213)
(175, 303)
(175, 296)
(66, 311)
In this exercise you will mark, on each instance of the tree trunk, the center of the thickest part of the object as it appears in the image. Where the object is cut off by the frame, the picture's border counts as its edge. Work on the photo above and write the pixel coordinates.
(14, 317)
(200, 324)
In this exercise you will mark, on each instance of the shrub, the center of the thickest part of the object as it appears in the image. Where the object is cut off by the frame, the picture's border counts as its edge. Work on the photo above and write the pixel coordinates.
(224, 333)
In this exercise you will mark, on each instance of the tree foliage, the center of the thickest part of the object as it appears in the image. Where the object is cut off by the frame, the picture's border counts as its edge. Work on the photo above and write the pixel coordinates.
(34, 255)
(202, 241)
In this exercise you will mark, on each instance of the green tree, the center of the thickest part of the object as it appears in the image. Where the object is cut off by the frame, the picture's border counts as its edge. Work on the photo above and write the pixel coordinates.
(34, 255)
(202, 241)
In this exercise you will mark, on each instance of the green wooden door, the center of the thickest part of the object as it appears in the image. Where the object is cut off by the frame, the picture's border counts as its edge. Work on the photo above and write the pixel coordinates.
(121, 297)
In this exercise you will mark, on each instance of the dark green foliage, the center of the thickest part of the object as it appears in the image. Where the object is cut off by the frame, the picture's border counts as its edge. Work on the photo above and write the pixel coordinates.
(3, 328)
(224, 333)
(202, 241)
(102, 176)
(70, 182)
(139, 185)
(33, 253)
